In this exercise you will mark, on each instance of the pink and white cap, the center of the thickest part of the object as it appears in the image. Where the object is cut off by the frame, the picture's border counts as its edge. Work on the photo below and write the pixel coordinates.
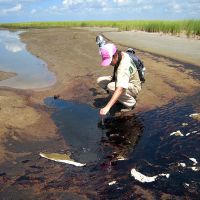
(107, 52)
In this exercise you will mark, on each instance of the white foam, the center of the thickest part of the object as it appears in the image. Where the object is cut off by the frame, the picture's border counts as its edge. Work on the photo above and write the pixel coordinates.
(193, 160)
(143, 178)
(112, 183)
(182, 164)
(177, 133)
(77, 164)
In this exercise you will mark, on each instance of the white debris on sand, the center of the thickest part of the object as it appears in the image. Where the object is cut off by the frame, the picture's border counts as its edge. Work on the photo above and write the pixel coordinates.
(142, 178)
(193, 160)
(181, 164)
(195, 116)
(187, 184)
(121, 158)
(112, 183)
(177, 133)
(194, 167)
(184, 124)
(194, 131)
(187, 134)
(61, 158)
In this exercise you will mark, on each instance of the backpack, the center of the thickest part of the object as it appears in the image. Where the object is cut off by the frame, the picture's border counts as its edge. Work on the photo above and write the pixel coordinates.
(139, 64)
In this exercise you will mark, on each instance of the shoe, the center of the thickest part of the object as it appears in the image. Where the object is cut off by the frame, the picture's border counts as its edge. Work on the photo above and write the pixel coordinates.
(127, 109)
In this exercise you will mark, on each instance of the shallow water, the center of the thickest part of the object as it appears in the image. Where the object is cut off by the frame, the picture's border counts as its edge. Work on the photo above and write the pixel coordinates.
(31, 71)
(89, 138)
(143, 140)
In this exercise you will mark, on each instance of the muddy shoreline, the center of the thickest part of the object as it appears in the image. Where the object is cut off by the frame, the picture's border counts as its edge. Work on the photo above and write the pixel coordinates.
(75, 62)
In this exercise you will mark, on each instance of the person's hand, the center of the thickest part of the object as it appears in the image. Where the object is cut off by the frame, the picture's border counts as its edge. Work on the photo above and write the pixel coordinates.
(112, 101)
(104, 111)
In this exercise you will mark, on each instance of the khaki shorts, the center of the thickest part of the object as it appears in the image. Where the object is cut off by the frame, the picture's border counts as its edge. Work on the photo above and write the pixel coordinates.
(127, 98)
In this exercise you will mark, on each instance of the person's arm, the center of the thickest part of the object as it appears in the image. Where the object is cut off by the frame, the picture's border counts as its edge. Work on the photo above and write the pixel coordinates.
(117, 93)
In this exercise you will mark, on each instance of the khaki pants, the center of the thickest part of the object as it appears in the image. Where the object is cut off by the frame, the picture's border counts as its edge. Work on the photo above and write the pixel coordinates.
(127, 98)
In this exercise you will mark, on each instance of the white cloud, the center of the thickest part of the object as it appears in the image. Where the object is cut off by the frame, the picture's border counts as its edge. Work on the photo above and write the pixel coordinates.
(85, 4)
(97, 5)
(16, 1)
(54, 7)
(67, 3)
(121, 2)
(33, 11)
(16, 8)
(147, 7)
(13, 47)
(6, 1)
(176, 7)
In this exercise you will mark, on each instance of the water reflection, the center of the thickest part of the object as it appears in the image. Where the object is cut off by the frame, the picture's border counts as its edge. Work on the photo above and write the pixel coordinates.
(31, 71)
(11, 41)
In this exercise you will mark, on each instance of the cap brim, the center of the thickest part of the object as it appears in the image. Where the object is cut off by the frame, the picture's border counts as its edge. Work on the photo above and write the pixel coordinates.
(106, 62)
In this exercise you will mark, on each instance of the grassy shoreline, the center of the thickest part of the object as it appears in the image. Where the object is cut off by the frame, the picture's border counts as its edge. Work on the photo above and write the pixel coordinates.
(188, 27)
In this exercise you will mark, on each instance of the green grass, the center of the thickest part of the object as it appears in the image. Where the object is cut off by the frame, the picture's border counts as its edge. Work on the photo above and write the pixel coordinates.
(189, 27)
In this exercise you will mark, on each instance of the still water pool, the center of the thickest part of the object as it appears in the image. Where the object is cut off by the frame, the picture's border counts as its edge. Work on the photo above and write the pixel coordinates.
(31, 72)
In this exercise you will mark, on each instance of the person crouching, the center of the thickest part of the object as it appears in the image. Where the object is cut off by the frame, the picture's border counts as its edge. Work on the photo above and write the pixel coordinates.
(125, 83)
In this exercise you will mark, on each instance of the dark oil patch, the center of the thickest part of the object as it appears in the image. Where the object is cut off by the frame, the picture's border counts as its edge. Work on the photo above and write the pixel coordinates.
(143, 138)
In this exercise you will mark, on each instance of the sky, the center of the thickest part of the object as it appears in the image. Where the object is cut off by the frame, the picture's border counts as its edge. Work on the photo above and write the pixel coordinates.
(72, 10)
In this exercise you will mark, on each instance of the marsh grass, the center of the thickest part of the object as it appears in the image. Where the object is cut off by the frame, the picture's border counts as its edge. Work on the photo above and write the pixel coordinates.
(188, 27)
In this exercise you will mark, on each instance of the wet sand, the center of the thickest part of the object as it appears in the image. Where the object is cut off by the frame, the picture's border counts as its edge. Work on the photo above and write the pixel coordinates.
(6, 75)
(73, 56)
(75, 60)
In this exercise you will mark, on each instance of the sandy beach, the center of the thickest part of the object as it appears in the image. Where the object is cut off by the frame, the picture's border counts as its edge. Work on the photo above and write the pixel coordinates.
(72, 55)
(176, 47)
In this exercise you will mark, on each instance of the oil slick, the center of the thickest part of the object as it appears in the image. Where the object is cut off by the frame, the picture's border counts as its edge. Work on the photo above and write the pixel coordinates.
(63, 158)
(146, 179)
